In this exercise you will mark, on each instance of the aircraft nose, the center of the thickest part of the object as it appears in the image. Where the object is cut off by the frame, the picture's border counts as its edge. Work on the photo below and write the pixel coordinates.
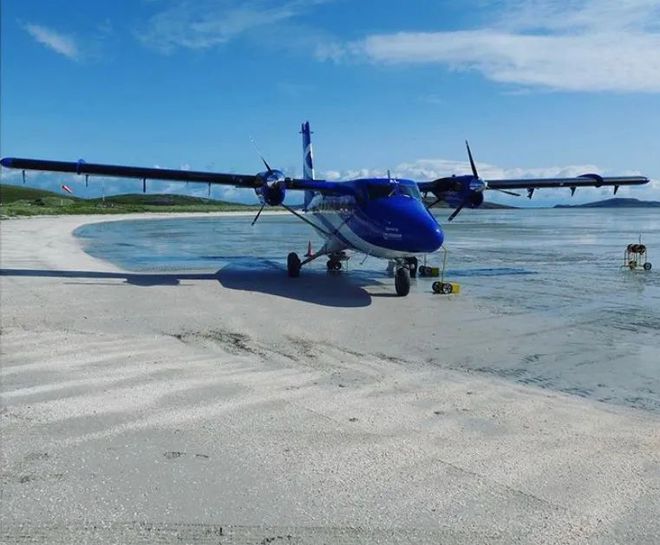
(422, 233)
(428, 237)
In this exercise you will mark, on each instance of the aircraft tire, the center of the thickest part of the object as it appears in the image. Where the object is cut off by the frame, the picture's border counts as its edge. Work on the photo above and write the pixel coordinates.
(402, 281)
(293, 265)
(647, 266)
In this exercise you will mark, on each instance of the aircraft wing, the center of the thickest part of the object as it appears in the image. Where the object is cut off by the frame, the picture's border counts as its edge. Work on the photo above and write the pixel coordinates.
(463, 183)
(251, 181)
(585, 180)
(141, 173)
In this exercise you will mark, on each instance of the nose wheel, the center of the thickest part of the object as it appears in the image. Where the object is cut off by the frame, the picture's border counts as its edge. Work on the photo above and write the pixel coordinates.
(334, 265)
(402, 281)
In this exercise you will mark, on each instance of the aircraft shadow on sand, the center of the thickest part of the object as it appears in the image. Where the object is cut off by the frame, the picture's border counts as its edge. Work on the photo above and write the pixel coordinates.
(316, 287)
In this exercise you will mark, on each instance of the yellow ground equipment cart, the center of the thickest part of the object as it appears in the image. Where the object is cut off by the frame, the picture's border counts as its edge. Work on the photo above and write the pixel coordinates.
(440, 286)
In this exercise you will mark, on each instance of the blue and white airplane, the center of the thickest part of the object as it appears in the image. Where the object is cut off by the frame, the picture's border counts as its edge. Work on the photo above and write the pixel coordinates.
(380, 217)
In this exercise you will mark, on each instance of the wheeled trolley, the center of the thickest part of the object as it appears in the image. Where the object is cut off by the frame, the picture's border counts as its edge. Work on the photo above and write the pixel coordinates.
(636, 257)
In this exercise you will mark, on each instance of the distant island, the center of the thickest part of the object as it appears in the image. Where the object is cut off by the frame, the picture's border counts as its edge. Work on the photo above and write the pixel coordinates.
(614, 203)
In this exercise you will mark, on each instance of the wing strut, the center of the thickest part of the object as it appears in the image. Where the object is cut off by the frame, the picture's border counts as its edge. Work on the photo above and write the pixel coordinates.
(326, 233)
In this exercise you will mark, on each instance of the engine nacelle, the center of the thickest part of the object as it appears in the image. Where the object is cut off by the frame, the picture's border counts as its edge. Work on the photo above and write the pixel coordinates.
(471, 199)
(273, 189)
(475, 199)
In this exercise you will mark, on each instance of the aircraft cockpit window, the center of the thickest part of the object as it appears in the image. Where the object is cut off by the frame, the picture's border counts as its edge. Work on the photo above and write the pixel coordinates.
(410, 191)
(378, 191)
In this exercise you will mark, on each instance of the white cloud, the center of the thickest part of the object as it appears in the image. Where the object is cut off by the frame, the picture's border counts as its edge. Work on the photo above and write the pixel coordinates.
(208, 23)
(599, 45)
(58, 42)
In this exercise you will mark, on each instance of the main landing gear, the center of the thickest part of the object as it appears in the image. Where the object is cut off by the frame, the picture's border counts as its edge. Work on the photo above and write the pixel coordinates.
(333, 264)
(294, 264)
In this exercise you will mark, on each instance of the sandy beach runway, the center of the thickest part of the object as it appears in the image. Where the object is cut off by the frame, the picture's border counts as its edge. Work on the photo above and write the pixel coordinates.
(174, 409)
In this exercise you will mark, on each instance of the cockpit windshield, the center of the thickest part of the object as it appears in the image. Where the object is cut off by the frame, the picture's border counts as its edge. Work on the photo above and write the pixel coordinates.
(410, 191)
(382, 191)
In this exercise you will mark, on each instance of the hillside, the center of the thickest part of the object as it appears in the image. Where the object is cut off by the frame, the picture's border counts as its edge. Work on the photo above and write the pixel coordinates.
(26, 201)
(12, 193)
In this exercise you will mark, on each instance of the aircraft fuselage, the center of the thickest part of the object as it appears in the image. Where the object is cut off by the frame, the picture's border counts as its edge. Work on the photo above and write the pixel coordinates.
(380, 217)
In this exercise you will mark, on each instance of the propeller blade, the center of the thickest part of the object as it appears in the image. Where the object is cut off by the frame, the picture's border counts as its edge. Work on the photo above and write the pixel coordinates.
(433, 204)
(265, 163)
(474, 168)
(457, 211)
(258, 214)
(256, 149)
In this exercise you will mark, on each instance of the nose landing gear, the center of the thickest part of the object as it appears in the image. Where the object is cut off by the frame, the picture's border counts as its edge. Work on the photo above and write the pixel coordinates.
(402, 281)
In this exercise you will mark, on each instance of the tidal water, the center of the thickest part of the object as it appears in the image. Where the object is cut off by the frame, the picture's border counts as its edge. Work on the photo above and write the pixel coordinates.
(564, 264)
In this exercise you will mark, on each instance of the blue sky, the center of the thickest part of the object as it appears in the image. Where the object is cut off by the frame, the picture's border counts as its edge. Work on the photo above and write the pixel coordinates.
(539, 87)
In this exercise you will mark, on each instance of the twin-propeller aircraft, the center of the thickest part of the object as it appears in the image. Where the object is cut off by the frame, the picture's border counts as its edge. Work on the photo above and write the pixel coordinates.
(381, 217)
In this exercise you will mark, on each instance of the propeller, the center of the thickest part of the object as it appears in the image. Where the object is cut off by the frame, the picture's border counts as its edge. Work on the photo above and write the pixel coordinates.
(275, 185)
(475, 174)
(479, 186)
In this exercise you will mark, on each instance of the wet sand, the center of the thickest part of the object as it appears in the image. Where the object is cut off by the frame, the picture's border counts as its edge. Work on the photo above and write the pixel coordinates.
(184, 408)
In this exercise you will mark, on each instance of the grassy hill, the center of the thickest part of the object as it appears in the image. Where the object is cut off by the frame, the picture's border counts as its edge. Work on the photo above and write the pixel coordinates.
(13, 193)
(27, 201)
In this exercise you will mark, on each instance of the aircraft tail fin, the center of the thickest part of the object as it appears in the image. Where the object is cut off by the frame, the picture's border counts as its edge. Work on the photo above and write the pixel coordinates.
(308, 159)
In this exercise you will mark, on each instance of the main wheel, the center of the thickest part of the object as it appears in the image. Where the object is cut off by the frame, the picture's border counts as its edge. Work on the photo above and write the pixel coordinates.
(402, 281)
(293, 265)
(647, 266)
